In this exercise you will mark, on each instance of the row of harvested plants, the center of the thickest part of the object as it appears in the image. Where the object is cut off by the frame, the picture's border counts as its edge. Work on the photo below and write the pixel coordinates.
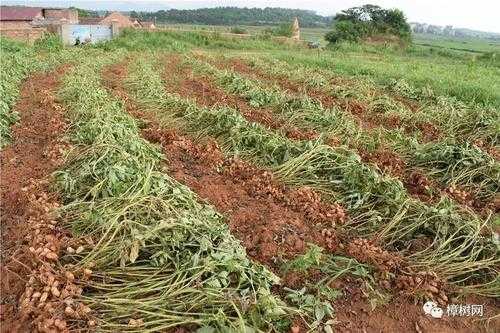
(161, 258)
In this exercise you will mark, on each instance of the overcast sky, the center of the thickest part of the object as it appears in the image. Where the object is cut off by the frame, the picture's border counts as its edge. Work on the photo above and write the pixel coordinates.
(478, 14)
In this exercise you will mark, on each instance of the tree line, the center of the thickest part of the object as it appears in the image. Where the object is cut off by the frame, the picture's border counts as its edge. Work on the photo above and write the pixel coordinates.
(236, 16)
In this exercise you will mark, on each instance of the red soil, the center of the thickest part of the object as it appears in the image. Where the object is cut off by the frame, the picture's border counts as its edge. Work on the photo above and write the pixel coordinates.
(388, 161)
(400, 315)
(488, 148)
(35, 288)
(241, 67)
(428, 130)
(271, 221)
(413, 105)
(416, 183)
(420, 186)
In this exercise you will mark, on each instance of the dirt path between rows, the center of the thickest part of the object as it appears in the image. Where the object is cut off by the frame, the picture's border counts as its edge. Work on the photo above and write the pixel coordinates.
(275, 223)
(33, 284)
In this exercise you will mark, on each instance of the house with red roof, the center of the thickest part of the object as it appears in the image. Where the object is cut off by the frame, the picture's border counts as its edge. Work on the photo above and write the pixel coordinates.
(20, 17)
(17, 17)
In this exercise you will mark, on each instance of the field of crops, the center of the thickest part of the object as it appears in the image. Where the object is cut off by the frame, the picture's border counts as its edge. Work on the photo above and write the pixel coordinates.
(174, 182)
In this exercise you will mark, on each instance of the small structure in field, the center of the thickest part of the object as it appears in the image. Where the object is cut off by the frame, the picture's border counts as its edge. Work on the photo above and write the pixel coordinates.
(121, 20)
(296, 29)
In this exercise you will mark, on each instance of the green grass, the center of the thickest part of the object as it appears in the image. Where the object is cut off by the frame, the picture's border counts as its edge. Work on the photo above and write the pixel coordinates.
(20, 60)
(471, 82)
(308, 34)
(138, 40)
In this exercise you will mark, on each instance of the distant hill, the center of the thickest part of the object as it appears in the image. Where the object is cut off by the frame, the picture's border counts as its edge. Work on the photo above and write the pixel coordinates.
(236, 16)
(451, 31)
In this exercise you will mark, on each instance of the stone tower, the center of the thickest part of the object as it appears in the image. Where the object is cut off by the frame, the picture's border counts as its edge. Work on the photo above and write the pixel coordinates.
(296, 29)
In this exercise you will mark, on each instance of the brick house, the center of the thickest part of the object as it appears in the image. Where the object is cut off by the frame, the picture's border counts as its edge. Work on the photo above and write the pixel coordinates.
(30, 23)
(91, 20)
(17, 17)
(14, 17)
(122, 20)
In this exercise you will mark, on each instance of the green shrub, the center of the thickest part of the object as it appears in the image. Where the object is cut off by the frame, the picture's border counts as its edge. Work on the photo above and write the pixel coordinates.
(284, 30)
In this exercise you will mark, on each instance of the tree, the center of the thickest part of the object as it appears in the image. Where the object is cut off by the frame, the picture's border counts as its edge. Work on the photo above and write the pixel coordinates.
(395, 22)
(233, 16)
(357, 23)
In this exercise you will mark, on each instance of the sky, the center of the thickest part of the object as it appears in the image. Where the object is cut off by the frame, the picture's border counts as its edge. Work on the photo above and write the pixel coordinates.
(478, 14)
